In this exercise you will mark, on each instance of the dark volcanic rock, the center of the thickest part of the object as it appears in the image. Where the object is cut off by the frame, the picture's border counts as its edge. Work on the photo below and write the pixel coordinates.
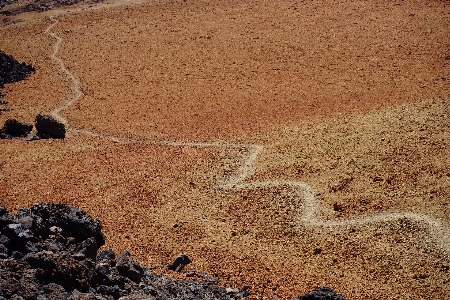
(87, 249)
(48, 127)
(179, 263)
(60, 268)
(11, 70)
(128, 267)
(40, 5)
(323, 293)
(5, 217)
(14, 128)
(65, 220)
(50, 251)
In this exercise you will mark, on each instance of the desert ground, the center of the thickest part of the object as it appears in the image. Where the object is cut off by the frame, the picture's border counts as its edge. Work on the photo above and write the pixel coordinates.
(282, 145)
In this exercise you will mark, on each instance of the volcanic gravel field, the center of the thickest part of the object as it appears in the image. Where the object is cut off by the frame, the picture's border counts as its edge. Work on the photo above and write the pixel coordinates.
(283, 145)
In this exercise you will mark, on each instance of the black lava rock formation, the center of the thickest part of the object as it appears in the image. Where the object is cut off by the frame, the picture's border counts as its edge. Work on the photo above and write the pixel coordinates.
(48, 127)
(14, 128)
(323, 293)
(4, 3)
(40, 5)
(50, 252)
(11, 70)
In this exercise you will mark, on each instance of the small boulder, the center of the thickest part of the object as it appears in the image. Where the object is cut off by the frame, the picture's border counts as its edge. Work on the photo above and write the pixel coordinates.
(107, 256)
(5, 217)
(45, 260)
(14, 128)
(48, 127)
(179, 263)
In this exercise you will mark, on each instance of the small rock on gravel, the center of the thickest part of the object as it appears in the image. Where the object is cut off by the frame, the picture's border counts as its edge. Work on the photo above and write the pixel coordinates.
(179, 263)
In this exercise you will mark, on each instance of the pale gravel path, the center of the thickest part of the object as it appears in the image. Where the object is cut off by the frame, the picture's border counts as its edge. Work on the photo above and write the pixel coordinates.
(438, 230)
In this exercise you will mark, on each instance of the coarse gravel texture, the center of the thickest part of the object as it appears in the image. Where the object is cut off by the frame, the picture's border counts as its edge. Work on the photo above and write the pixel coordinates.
(349, 97)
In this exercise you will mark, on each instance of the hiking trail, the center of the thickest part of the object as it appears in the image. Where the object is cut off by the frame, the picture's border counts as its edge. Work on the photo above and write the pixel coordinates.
(304, 194)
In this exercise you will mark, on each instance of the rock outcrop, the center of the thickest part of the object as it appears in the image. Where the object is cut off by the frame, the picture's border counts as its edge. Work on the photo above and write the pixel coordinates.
(11, 70)
(50, 251)
(323, 293)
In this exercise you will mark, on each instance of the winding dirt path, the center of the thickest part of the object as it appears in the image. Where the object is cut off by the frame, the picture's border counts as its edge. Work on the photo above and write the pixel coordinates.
(438, 230)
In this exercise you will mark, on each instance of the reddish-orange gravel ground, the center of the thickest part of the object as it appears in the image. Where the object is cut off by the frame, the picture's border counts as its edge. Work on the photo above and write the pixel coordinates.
(349, 97)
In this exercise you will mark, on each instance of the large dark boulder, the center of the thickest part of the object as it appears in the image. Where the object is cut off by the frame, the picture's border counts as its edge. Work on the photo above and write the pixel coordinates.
(14, 128)
(70, 273)
(48, 127)
(87, 249)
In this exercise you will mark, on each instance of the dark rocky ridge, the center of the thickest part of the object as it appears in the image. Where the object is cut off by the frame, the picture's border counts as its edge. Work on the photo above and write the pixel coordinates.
(50, 251)
(4, 3)
(40, 5)
(11, 71)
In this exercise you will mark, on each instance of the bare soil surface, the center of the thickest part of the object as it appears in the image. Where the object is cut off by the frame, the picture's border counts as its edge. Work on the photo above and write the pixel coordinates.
(282, 145)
